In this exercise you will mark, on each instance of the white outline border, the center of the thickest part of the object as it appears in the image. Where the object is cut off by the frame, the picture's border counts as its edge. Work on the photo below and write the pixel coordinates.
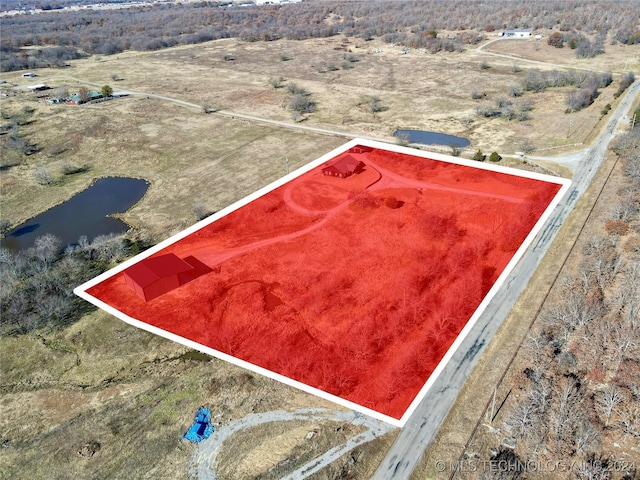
(81, 290)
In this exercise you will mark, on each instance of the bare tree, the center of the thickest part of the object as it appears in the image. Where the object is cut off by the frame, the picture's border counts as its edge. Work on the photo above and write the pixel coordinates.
(301, 103)
(515, 90)
(47, 247)
(84, 94)
(630, 419)
(42, 176)
(607, 400)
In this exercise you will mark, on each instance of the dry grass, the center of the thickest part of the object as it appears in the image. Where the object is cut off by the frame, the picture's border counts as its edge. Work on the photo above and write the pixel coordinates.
(171, 146)
(103, 381)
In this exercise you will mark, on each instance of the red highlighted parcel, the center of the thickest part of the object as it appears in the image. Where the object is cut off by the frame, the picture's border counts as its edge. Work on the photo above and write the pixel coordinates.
(352, 278)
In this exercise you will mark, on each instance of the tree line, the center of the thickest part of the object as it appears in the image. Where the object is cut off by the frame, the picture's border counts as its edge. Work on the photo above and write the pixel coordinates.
(576, 380)
(412, 23)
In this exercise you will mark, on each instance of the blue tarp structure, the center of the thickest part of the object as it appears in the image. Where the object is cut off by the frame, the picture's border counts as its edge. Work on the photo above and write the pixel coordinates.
(201, 428)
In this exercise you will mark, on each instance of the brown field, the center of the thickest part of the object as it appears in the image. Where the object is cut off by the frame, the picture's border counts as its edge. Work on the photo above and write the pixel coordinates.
(102, 382)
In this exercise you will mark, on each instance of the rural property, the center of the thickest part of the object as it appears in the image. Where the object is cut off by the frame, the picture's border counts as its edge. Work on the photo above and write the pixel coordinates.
(351, 278)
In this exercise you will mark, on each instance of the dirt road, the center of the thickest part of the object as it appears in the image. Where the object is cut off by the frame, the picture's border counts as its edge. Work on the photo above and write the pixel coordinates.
(203, 463)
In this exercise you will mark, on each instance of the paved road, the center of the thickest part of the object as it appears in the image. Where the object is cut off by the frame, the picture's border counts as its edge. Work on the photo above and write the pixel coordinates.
(423, 425)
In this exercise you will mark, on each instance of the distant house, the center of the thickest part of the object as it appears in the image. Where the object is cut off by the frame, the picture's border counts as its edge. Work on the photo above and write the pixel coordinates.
(343, 167)
(76, 100)
(515, 34)
(155, 276)
(29, 75)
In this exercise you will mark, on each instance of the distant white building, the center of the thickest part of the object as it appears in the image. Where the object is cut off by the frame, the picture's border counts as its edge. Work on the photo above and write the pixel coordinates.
(515, 34)
(275, 2)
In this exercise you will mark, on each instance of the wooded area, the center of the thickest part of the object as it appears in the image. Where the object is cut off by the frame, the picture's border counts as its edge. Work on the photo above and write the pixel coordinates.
(576, 388)
(36, 285)
(412, 23)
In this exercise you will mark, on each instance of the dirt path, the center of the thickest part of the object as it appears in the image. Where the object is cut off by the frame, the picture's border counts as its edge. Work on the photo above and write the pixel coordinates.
(481, 49)
(203, 462)
(184, 103)
(394, 180)
(212, 257)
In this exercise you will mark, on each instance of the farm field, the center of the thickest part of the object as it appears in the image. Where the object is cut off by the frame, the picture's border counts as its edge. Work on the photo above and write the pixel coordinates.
(355, 287)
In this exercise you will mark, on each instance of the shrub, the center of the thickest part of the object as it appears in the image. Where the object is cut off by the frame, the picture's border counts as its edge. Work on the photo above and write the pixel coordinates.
(502, 102)
(515, 90)
(106, 91)
(393, 203)
(616, 227)
(494, 157)
(276, 82)
(625, 81)
(374, 105)
(556, 40)
(42, 176)
(486, 109)
(479, 156)
(534, 81)
(578, 100)
(402, 139)
(296, 90)
(301, 103)
(68, 169)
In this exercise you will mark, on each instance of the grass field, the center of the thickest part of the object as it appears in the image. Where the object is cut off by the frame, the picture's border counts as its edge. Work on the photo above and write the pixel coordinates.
(103, 386)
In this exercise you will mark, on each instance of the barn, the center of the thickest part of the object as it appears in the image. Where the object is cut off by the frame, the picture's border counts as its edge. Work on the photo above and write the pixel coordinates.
(155, 276)
(343, 167)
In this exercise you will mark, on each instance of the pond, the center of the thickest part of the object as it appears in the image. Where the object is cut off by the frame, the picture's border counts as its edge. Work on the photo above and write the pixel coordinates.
(83, 214)
(432, 138)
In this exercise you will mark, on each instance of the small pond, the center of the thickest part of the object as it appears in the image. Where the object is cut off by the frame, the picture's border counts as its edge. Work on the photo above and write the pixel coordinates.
(432, 138)
(83, 214)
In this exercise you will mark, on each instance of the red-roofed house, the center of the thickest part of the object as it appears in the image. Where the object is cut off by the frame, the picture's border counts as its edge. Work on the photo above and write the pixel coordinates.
(156, 276)
(343, 167)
